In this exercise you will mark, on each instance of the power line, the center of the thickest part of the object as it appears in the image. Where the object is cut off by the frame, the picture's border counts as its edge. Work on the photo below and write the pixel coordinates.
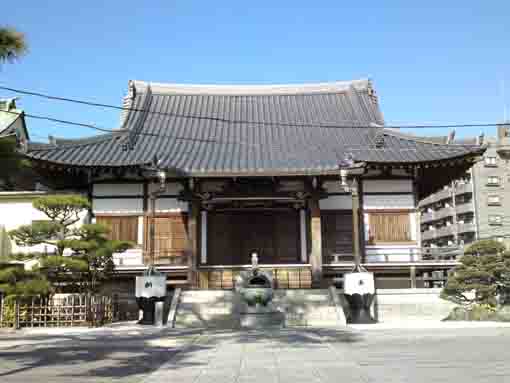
(358, 124)
(370, 146)
(104, 130)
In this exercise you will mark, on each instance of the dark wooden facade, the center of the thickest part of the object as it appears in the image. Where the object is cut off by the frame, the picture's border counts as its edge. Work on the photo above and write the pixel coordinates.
(234, 235)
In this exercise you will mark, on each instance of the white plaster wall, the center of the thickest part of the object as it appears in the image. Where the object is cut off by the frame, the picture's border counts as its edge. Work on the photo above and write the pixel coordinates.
(395, 186)
(391, 253)
(117, 206)
(336, 202)
(397, 201)
(171, 205)
(14, 214)
(131, 257)
(135, 189)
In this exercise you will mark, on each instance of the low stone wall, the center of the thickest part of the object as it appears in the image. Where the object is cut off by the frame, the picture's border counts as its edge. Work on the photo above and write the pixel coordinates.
(221, 309)
(401, 305)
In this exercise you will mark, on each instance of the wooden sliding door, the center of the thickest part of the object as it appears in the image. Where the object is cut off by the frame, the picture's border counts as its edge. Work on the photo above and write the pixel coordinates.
(234, 235)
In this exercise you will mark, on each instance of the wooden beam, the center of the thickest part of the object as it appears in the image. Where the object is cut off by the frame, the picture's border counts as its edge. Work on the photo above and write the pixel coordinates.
(316, 239)
(194, 232)
(356, 237)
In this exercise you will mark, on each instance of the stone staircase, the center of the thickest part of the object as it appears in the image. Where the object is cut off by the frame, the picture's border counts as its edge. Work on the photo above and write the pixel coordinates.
(206, 309)
(220, 309)
(309, 308)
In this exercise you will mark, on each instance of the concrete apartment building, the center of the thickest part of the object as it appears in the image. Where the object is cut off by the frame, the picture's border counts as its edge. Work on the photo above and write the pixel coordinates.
(477, 206)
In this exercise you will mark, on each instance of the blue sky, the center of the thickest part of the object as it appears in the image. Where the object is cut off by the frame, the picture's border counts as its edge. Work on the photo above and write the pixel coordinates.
(431, 61)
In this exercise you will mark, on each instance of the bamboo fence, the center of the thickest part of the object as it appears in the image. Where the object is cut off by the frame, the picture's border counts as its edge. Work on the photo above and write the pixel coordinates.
(56, 311)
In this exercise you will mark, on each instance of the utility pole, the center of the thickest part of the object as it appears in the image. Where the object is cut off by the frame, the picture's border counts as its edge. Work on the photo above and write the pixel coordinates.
(454, 216)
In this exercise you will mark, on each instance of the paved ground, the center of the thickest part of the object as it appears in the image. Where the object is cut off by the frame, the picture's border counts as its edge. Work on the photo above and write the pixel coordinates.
(134, 355)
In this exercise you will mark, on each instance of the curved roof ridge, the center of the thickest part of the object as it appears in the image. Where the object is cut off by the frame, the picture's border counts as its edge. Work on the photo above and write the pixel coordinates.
(423, 140)
(72, 142)
(253, 90)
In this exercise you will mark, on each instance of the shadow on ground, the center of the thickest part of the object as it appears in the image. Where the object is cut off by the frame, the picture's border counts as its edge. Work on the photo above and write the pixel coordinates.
(129, 355)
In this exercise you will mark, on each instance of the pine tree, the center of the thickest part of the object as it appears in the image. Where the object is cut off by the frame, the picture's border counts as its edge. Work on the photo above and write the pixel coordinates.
(483, 274)
(89, 258)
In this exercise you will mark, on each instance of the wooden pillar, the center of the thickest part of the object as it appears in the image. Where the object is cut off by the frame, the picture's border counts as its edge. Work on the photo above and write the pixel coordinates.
(193, 228)
(356, 237)
(316, 239)
(412, 272)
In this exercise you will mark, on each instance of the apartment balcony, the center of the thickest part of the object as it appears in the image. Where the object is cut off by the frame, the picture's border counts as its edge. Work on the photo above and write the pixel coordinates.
(466, 228)
(428, 235)
(448, 231)
(435, 215)
(464, 188)
(503, 147)
(436, 197)
(460, 188)
(444, 231)
(465, 208)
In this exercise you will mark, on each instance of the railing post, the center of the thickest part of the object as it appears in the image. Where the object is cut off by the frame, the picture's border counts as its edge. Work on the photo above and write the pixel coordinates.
(413, 276)
(1, 309)
(16, 314)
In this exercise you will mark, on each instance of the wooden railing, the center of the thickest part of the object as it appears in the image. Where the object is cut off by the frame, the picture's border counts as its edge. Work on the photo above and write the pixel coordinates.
(400, 254)
(296, 277)
(167, 258)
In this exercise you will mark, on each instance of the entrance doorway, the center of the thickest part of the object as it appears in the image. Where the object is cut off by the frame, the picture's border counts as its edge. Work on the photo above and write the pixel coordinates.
(233, 235)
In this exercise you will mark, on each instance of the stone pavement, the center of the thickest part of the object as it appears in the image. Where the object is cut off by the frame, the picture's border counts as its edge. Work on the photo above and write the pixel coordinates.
(438, 355)
(135, 354)
(124, 354)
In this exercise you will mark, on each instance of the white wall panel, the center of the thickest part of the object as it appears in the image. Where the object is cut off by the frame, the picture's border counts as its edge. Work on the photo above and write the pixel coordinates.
(13, 214)
(135, 189)
(117, 206)
(386, 186)
(130, 257)
(172, 188)
(392, 253)
(170, 205)
(333, 187)
(388, 201)
(336, 202)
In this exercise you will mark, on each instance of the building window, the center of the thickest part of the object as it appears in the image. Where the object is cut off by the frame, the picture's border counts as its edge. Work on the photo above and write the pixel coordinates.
(171, 242)
(491, 161)
(495, 220)
(122, 228)
(493, 200)
(493, 180)
(388, 227)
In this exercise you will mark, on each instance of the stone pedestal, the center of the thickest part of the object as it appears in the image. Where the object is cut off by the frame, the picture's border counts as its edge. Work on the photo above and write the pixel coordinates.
(254, 295)
(359, 291)
(259, 316)
(359, 306)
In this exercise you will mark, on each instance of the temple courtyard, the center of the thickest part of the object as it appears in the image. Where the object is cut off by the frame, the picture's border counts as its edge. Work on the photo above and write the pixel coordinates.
(129, 353)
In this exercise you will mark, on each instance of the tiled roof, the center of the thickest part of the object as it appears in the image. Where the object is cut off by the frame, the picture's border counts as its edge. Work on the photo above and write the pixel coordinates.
(268, 129)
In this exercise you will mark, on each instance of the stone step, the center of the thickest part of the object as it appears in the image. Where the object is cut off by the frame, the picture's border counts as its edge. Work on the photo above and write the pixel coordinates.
(204, 296)
(221, 309)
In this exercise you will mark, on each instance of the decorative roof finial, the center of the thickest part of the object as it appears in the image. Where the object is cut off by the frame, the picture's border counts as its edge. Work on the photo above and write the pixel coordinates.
(480, 138)
(379, 140)
(451, 137)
